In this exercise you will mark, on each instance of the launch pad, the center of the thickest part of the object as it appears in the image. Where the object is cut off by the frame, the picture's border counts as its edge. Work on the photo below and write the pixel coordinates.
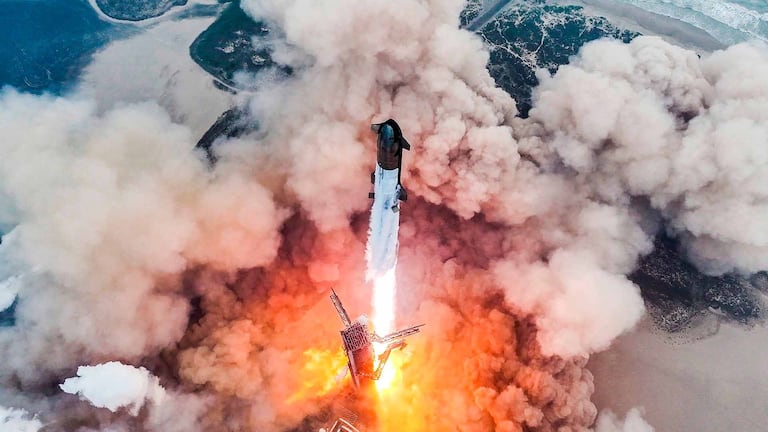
(358, 340)
(341, 425)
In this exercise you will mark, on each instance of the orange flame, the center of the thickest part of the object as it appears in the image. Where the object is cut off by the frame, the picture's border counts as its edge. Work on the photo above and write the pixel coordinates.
(319, 374)
(400, 397)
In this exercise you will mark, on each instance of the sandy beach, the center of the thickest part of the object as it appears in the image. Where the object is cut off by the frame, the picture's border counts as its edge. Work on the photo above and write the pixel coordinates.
(649, 23)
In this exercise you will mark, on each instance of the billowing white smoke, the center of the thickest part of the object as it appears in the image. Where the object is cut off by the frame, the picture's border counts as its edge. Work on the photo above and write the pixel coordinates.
(626, 121)
(161, 70)
(113, 385)
(110, 209)
(111, 205)
(9, 288)
(608, 422)
(18, 420)
(649, 119)
(135, 391)
(409, 61)
(443, 95)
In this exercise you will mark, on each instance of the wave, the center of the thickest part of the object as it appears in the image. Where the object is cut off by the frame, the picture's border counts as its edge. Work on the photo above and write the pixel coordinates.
(171, 13)
(729, 22)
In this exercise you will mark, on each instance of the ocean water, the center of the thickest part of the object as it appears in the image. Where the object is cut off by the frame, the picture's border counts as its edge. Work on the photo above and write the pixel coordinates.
(7, 313)
(7, 316)
(45, 43)
(137, 10)
(729, 22)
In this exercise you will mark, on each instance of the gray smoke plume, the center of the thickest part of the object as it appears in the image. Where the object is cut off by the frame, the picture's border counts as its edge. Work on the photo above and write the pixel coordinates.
(17, 420)
(110, 210)
(652, 120)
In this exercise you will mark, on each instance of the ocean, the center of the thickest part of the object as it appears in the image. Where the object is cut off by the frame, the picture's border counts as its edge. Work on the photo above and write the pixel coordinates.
(45, 44)
(728, 21)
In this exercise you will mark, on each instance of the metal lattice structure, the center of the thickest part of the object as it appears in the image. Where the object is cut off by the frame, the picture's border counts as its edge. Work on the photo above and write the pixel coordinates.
(358, 345)
(342, 425)
(355, 337)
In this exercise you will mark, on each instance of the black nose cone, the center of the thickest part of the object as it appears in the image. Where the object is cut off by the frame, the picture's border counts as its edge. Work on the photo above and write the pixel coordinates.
(386, 137)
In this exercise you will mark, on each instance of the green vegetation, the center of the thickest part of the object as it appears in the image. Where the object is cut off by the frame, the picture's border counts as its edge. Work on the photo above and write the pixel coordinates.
(233, 43)
(532, 35)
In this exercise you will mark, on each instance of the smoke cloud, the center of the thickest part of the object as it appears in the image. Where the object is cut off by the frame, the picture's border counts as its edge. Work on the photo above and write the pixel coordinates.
(609, 422)
(127, 246)
(158, 63)
(110, 210)
(9, 288)
(686, 134)
(113, 385)
(17, 420)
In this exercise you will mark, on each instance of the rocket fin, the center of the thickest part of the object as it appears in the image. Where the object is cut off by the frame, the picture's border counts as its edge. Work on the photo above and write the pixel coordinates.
(402, 194)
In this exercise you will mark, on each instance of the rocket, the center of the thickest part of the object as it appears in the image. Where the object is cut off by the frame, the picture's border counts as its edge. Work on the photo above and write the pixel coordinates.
(389, 161)
(388, 192)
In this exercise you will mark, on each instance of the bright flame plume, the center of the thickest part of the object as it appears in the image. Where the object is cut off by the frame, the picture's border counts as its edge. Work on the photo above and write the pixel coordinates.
(384, 290)
(320, 374)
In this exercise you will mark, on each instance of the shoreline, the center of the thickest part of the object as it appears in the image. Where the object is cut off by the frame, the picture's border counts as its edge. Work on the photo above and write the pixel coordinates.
(650, 23)
(171, 13)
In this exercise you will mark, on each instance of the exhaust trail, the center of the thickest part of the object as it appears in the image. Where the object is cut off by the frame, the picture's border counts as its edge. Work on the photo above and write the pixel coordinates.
(381, 251)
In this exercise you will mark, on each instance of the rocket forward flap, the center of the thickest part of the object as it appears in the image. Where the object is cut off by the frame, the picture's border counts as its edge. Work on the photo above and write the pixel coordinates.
(402, 194)
(340, 309)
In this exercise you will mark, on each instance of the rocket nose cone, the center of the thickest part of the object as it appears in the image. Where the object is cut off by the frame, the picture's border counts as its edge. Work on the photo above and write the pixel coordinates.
(386, 136)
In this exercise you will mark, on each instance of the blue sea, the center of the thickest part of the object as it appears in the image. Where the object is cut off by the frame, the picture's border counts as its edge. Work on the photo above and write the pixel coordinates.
(45, 43)
(728, 21)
